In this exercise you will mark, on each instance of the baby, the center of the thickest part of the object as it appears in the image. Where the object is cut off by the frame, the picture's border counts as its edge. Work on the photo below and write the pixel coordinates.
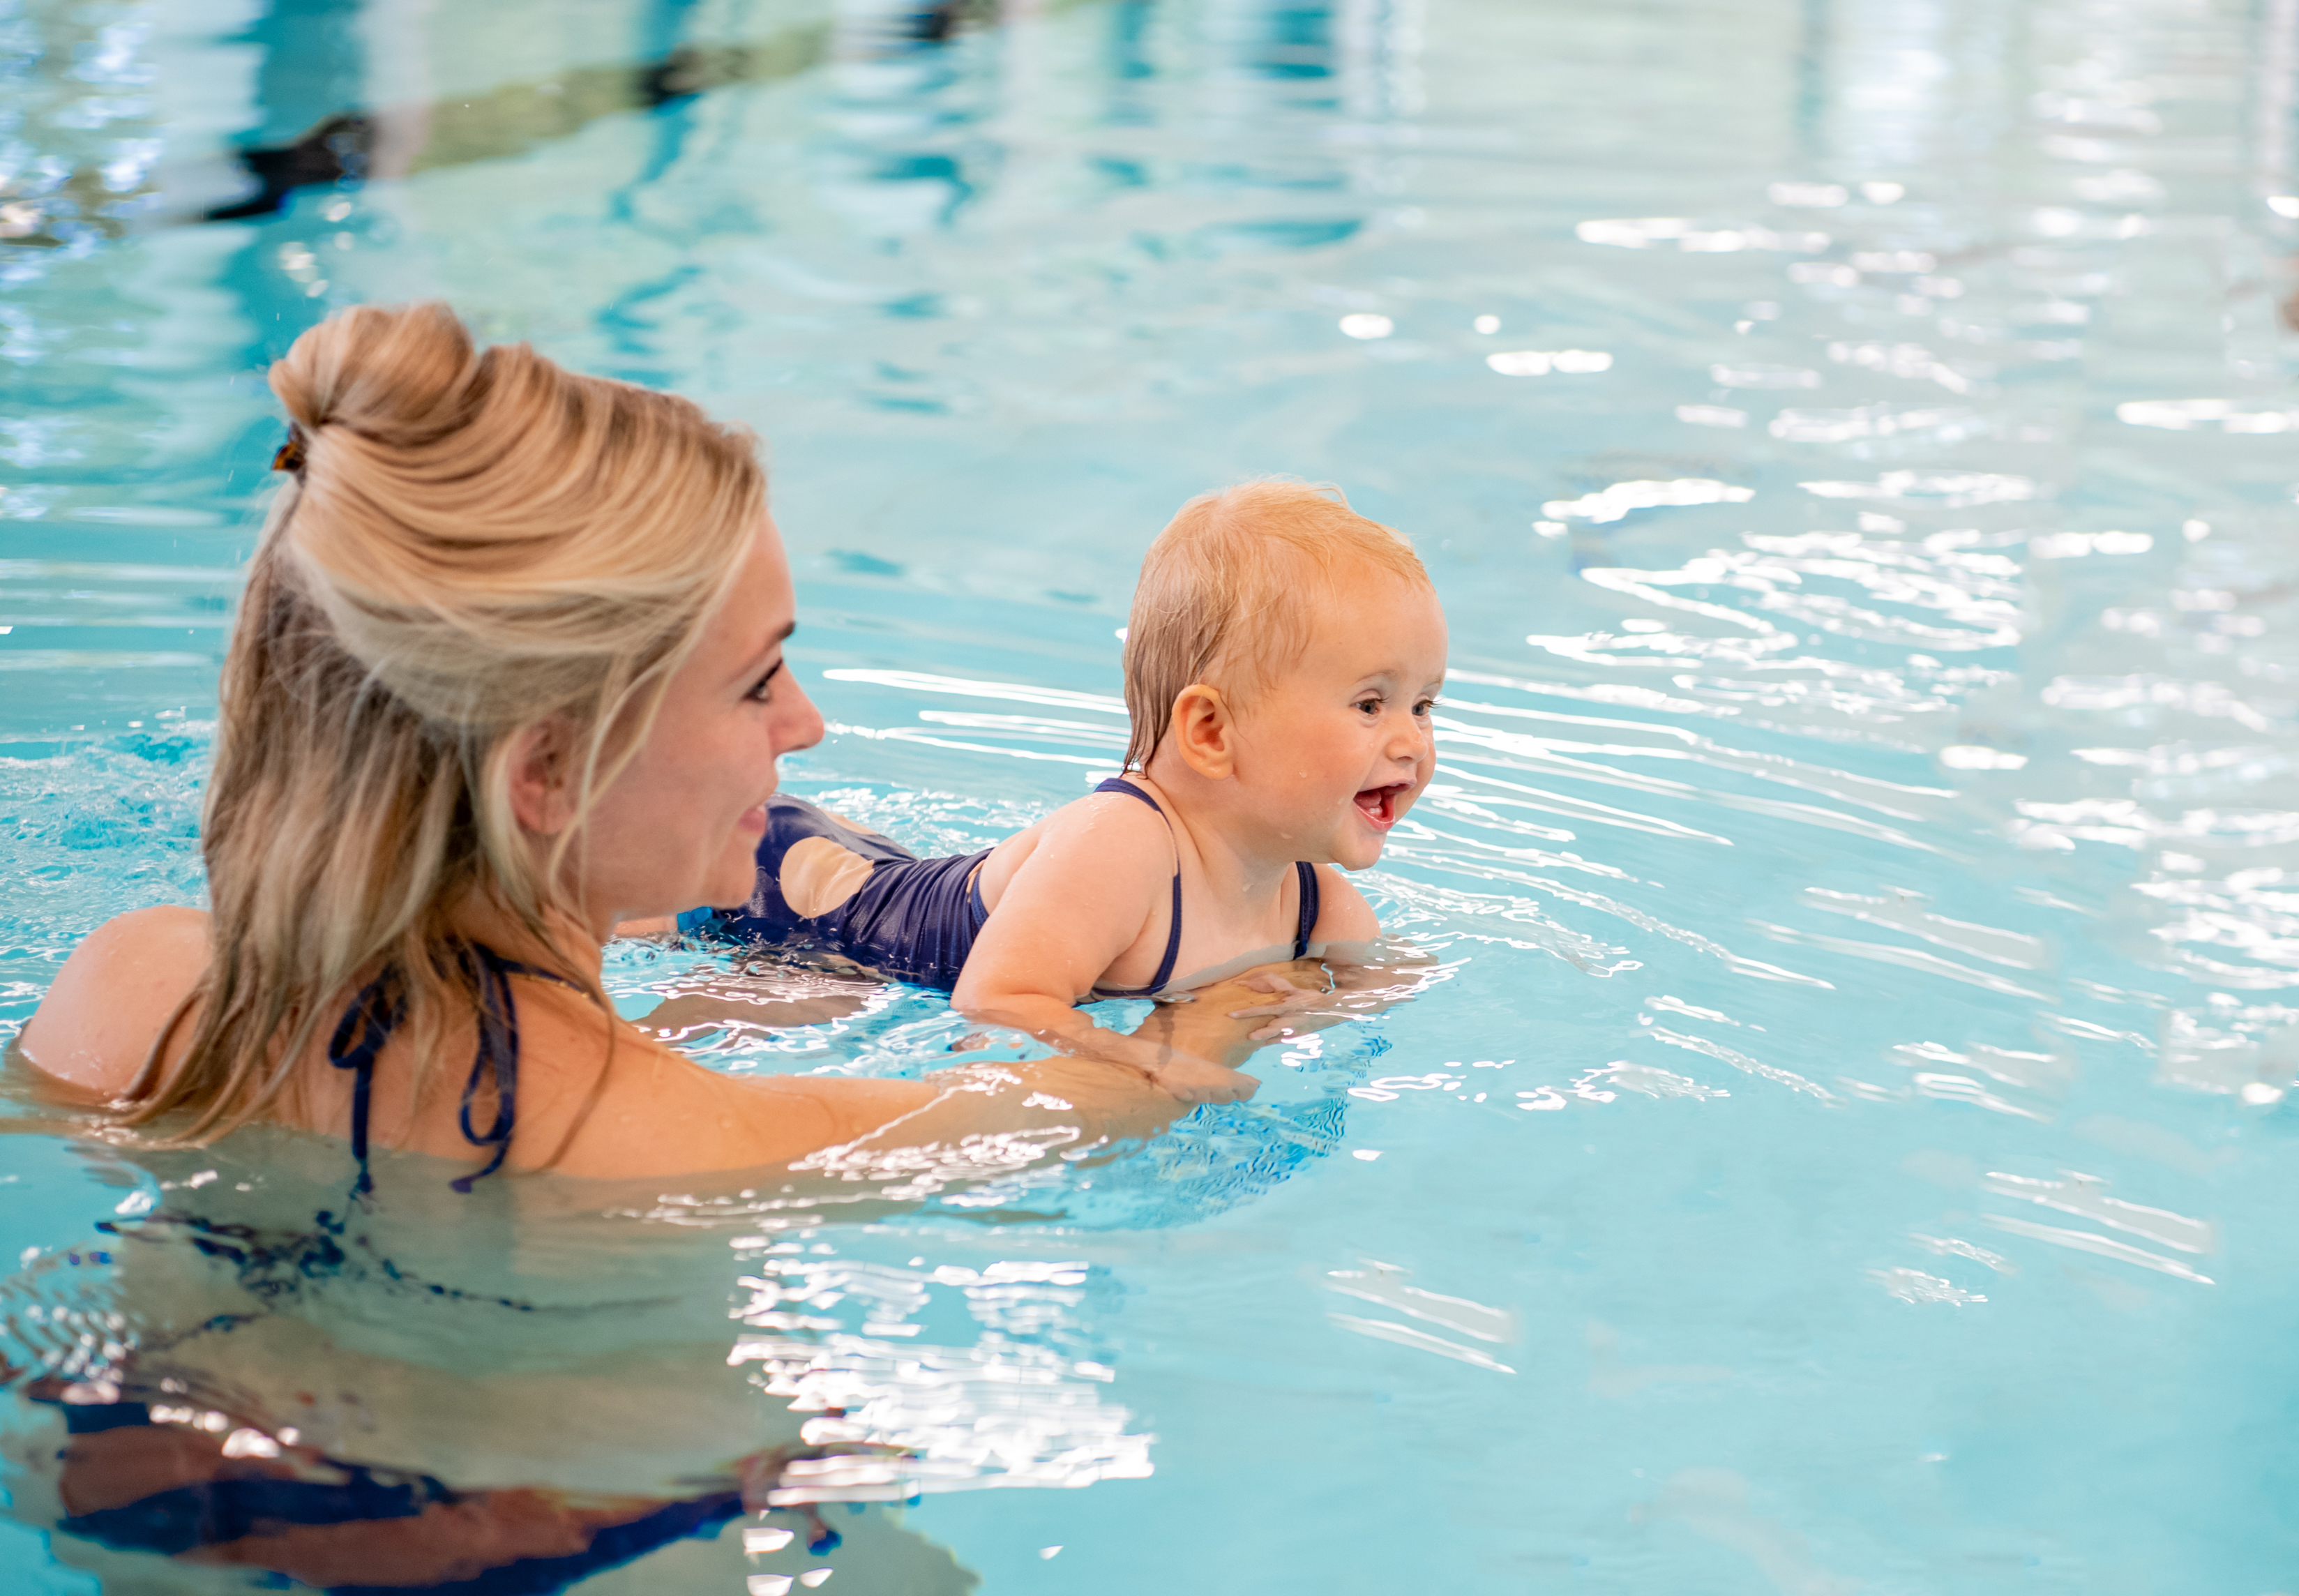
(1281, 661)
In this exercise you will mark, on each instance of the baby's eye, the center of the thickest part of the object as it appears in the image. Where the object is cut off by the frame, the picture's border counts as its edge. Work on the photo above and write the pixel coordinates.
(1371, 706)
(1425, 708)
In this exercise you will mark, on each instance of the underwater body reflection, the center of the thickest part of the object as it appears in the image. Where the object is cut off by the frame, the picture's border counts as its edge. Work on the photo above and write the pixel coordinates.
(251, 1371)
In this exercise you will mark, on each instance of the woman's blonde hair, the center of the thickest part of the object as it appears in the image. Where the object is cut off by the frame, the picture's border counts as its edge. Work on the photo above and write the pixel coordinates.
(1230, 587)
(472, 544)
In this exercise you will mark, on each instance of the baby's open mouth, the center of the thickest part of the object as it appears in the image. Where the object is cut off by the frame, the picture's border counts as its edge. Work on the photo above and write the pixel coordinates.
(1379, 805)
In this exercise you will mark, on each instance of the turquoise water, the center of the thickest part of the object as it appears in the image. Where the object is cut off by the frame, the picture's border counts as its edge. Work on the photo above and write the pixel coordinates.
(1848, 1148)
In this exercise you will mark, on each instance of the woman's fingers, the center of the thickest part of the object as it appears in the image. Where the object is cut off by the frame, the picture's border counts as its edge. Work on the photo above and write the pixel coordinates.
(1200, 1080)
(1300, 1002)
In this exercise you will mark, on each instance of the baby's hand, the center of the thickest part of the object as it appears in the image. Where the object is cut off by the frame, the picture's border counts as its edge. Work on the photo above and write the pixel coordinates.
(1289, 999)
(1202, 1080)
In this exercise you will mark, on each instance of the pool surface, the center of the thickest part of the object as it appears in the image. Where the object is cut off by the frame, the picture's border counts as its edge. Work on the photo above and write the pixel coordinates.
(1848, 1146)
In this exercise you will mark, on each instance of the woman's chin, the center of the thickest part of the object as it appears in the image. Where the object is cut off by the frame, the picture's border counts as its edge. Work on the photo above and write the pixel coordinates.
(732, 888)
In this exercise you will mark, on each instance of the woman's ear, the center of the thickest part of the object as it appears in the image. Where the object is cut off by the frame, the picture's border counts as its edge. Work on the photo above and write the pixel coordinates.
(541, 794)
(1204, 732)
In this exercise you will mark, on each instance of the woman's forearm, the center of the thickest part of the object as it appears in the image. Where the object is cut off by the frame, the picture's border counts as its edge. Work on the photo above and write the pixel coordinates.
(1068, 1029)
(987, 1119)
(1207, 1024)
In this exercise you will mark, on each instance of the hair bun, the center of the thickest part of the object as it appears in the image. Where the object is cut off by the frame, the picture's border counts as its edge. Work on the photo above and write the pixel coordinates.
(400, 376)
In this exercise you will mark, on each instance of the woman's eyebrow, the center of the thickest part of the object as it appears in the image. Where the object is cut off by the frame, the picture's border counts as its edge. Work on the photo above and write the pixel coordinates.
(757, 660)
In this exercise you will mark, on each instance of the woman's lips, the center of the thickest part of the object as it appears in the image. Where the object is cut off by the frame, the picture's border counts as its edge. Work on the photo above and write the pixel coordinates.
(753, 821)
(1379, 805)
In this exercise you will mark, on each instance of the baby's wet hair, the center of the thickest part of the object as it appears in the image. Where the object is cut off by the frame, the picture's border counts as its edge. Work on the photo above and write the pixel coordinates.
(1230, 588)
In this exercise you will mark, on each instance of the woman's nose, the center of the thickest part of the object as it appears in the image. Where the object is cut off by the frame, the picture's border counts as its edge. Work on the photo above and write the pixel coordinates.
(801, 725)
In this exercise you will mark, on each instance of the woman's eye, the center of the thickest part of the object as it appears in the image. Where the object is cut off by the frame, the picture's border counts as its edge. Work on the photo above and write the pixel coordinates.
(762, 691)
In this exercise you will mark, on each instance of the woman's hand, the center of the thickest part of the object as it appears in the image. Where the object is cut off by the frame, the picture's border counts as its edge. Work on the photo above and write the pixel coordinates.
(1287, 1001)
(1309, 994)
(1152, 1053)
(1193, 1079)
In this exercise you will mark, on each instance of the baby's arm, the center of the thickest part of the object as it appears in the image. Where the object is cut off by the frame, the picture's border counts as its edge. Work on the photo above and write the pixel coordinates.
(1101, 871)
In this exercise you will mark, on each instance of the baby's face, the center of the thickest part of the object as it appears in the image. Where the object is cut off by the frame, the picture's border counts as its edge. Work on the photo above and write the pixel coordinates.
(1337, 747)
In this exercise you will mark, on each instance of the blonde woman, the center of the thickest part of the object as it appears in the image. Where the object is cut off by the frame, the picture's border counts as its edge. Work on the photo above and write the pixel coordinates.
(508, 669)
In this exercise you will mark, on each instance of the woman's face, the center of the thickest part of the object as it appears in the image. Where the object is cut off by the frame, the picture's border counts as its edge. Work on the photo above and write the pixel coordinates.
(680, 827)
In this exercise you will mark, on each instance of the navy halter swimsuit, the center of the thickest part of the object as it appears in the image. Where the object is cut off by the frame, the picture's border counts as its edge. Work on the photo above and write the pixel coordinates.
(379, 1009)
(914, 920)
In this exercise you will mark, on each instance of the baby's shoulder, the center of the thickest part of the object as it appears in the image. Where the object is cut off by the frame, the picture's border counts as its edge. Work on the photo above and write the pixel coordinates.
(1112, 814)
(1107, 840)
(1123, 808)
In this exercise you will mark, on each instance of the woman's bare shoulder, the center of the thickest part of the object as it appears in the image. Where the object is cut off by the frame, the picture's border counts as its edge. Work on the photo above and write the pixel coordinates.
(126, 980)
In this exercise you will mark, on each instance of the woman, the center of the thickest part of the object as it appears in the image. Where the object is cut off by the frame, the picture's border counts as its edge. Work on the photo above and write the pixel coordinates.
(508, 669)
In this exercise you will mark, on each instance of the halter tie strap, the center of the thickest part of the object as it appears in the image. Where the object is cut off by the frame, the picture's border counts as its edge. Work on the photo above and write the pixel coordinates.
(366, 1026)
(379, 1010)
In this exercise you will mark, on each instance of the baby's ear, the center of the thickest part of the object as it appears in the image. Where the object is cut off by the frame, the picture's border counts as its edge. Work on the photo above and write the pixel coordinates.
(1204, 731)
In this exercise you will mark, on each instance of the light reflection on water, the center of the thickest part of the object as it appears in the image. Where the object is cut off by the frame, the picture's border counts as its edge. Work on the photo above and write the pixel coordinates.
(1844, 1142)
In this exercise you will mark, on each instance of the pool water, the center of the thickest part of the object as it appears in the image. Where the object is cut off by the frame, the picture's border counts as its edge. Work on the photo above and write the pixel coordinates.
(1847, 1147)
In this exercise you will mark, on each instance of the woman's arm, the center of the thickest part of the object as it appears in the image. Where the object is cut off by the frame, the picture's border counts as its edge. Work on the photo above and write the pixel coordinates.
(966, 1123)
(996, 1117)
(987, 1119)
(652, 1111)
(665, 1115)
